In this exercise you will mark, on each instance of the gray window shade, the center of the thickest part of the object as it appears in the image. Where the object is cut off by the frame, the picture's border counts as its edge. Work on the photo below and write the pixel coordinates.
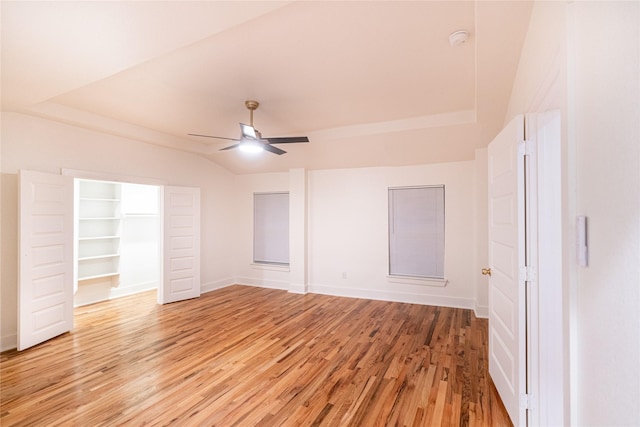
(271, 228)
(416, 231)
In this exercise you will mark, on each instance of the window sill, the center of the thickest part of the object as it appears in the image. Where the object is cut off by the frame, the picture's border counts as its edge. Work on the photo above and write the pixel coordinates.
(271, 267)
(424, 281)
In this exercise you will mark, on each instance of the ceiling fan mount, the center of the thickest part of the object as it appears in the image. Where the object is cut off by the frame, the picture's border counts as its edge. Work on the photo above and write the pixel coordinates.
(251, 105)
(251, 139)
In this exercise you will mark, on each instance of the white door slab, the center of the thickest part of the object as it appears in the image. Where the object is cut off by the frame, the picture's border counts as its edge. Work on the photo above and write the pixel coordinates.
(181, 244)
(507, 322)
(45, 290)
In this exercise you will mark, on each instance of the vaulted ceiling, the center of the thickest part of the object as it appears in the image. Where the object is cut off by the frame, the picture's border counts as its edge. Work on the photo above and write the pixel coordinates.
(371, 83)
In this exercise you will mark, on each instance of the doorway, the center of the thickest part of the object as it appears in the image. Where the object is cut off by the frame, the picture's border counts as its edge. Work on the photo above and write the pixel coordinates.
(48, 268)
(117, 240)
(526, 335)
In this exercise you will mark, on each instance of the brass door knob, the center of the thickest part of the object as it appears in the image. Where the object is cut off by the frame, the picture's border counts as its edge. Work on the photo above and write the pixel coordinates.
(486, 272)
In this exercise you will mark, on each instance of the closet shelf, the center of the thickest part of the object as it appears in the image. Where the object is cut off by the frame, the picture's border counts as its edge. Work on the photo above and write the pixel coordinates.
(86, 258)
(104, 218)
(98, 276)
(81, 239)
(97, 199)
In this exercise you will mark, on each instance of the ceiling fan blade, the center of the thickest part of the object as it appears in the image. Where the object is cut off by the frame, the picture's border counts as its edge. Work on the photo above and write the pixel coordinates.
(287, 140)
(230, 147)
(211, 136)
(274, 150)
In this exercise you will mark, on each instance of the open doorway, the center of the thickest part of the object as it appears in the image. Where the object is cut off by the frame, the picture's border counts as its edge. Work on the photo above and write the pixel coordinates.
(48, 267)
(117, 240)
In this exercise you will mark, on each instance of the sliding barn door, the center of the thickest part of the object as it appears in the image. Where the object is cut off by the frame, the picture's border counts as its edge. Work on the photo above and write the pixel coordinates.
(45, 290)
(507, 321)
(181, 244)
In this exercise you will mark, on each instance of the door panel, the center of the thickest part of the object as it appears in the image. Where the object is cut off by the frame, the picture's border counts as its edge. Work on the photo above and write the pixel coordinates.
(45, 291)
(506, 254)
(181, 244)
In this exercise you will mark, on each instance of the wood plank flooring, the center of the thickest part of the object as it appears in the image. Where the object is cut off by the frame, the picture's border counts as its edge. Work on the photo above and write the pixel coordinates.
(251, 356)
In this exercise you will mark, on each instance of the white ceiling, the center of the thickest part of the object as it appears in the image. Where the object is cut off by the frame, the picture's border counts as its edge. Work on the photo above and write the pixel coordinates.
(371, 83)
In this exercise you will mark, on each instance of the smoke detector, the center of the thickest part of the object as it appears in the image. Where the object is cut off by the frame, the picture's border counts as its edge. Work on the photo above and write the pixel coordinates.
(458, 38)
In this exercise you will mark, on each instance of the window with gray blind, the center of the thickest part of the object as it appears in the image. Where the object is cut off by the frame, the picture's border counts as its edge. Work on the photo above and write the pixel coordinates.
(416, 231)
(271, 228)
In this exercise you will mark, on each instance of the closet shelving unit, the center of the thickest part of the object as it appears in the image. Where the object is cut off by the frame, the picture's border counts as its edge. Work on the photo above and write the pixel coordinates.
(99, 227)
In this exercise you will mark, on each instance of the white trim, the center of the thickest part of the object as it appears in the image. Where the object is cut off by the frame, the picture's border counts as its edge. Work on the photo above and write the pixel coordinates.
(400, 125)
(262, 283)
(371, 294)
(270, 267)
(94, 122)
(414, 280)
(9, 342)
(150, 285)
(548, 347)
(112, 177)
(393, 296)
(298, 288)
(481, 311)
(119, 293)
(214, 286)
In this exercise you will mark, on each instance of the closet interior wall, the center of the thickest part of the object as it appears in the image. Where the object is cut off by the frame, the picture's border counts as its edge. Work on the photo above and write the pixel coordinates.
(117, 241)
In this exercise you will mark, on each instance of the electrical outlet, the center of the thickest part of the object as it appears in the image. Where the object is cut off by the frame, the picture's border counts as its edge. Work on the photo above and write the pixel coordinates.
(344, 274)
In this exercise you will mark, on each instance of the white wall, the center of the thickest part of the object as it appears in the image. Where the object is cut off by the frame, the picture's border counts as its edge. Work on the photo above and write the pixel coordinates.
(246, 271)
(583, 58)
(605, 132)
(347, 238)
(481, 231)
(538, 84)
(345, 230)
(42, 145)
(140, 239)
(348, 233)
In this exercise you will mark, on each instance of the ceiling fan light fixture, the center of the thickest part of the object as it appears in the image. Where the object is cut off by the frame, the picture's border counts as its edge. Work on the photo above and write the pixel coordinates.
(248, 131)
(249, 146)
(251, 140)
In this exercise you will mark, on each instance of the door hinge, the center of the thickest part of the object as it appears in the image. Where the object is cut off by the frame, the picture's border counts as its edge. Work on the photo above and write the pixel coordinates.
(524, 401)
(527, 273)
(526, 147)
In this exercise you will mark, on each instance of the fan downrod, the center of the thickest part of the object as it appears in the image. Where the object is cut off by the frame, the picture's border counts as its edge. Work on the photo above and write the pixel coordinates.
(252, 106)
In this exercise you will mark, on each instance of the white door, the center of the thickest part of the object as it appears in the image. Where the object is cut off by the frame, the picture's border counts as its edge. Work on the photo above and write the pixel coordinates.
(45, 290)
(507, 351)
(181, 245)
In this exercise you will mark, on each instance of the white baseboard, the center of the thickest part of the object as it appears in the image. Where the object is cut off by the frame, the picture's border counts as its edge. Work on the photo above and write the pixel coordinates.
(481, 311)
(8, 342)
(298, 288)
(261, 283)
(135, 289)
(87, 299)
(406, 297)
(218, 284)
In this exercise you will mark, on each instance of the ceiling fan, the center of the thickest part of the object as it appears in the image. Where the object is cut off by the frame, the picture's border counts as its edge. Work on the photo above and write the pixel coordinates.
(251, 139)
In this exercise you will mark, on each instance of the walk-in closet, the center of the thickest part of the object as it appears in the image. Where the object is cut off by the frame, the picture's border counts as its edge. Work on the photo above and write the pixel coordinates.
(117, 245)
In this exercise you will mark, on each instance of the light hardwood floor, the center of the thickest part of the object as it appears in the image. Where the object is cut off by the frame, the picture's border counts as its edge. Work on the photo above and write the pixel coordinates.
(252, 356)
